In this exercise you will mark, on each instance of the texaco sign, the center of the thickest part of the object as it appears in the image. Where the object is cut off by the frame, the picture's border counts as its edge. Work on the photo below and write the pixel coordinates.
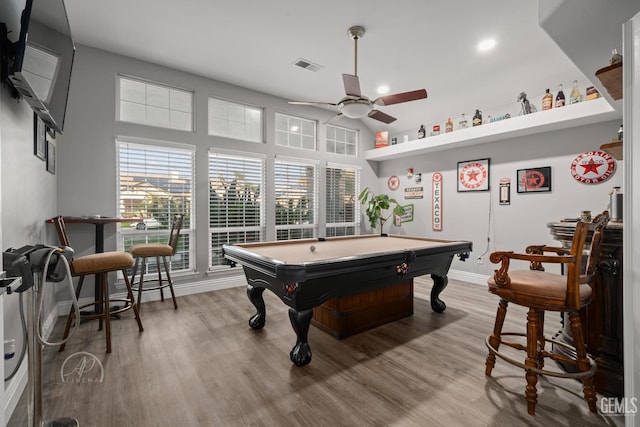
(593, 167)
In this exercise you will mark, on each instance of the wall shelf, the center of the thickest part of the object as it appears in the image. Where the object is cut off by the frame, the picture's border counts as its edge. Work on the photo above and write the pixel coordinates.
(588, 112)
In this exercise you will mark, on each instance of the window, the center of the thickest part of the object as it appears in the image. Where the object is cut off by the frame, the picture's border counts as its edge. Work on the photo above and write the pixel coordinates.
(343, 209)
(295, 192)
(154, 104)
(295, 132)
(155, 183)
(342, 140)
(236, 207)
(233, 120)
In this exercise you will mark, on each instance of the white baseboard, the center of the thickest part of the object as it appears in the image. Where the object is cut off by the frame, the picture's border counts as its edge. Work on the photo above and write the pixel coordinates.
(14, 389)
(465, 276)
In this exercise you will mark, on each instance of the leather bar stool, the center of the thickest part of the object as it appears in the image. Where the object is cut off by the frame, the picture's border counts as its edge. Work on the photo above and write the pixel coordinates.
(143, 251)
(542, 291)
(99, 264)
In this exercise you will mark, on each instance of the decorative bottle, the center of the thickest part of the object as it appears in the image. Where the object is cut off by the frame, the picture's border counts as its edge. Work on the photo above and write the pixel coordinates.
(463, 122)
(421, 132)
(560, 97)
(477, 118)
(547, 101)
(574, 97)
(448, 127)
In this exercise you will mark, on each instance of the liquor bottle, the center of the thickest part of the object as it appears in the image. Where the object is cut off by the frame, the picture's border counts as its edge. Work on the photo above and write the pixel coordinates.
(547, 101)
(448, 127)
(477, 118)
(463, 122)
(560, 97)
(620, 133)
(421, 132)
(574, 97)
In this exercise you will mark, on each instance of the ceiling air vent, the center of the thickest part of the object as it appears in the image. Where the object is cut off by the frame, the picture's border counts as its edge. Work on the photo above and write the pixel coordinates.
(307, 65)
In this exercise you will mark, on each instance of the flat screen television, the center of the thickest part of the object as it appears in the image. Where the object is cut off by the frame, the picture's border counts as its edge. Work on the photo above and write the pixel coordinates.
(40, 57)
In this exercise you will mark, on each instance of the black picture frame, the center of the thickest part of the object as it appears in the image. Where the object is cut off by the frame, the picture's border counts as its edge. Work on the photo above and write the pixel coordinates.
(39, 138)
(473, 175)
(534, 180)
(51, 158)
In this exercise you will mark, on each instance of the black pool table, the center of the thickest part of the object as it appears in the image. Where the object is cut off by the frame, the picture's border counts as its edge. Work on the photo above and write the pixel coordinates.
(305, 273)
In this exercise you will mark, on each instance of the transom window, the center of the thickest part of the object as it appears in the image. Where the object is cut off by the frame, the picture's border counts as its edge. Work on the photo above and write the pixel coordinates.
(295, 132)
(234, 120)
(342, 140)
(155, 183)
(342, 207)
(236, 208)
(154, 104)
(296, 199)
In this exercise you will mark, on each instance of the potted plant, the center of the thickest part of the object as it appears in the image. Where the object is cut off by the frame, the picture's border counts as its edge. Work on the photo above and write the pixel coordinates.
(376, 205)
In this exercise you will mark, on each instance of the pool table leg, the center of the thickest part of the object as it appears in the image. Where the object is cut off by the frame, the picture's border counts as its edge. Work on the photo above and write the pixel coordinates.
(255, 296)
(300, 353)
(439, 283)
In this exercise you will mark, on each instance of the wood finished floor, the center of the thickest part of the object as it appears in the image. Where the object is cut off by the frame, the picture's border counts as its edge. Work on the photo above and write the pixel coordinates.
(201, 365)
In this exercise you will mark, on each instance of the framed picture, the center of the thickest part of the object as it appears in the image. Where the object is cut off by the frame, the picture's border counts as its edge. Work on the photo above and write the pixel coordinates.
(39, 138)
(407, 216)
(51, 158)
(534, 180)
(473, 175)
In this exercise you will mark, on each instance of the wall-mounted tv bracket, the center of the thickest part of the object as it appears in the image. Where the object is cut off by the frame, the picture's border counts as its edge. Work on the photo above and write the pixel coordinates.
(7, 54)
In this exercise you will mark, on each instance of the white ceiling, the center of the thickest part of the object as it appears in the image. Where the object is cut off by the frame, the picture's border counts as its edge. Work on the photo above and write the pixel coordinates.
(409, 44)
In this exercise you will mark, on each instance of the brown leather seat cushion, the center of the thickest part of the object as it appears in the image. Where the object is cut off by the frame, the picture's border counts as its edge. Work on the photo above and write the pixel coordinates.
(151, 250)
(107, 261)
(540, 286)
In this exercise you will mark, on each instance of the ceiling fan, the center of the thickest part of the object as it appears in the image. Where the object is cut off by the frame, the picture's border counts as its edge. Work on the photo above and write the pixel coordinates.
(355, 105)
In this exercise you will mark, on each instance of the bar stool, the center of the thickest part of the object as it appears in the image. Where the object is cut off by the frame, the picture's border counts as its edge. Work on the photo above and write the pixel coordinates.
(99, 264)
(157, 250)
(542, 291)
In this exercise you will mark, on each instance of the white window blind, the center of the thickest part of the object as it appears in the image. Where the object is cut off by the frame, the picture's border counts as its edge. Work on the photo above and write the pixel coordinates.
(342, 207)
(342, 140)
(236, 208)
(296, 199)
(154, 104)
(234, 120)
(295, 132)
(155, 183)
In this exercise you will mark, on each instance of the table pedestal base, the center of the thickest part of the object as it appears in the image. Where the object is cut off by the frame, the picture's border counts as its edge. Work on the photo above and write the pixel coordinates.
(346, 316)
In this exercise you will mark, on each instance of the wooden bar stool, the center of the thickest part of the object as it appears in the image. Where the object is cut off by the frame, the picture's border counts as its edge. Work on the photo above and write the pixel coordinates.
(541, 291)
(157, 250)
(100, 264)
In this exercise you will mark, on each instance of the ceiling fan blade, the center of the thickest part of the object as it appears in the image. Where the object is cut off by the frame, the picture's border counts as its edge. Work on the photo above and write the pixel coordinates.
(379, 115)
(351, 85)
(322, 104)
(401, 97)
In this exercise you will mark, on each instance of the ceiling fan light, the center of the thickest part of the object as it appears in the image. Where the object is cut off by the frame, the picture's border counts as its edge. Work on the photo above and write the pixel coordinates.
(356, 110)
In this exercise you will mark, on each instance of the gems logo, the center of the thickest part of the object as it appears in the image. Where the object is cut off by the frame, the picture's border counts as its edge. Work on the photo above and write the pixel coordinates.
(613, 406)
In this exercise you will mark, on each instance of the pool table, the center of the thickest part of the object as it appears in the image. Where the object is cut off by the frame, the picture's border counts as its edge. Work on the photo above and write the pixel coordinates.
(305, 273)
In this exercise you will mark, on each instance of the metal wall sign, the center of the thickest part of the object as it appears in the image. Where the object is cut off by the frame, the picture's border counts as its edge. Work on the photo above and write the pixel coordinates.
(414, 193)
(505, 191)
(436, 201)
(593, 167)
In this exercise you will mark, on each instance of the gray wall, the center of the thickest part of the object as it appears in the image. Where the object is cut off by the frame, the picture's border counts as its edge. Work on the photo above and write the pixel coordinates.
(478, 215)
(28, 199)
(87, 153)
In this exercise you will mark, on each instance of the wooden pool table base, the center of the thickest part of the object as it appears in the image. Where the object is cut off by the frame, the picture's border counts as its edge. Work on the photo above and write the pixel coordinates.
(300, 354)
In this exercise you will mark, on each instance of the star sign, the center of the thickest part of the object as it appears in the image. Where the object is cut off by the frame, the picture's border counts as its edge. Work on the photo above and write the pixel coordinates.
(591, 166)
(473, 175)
(532, 180)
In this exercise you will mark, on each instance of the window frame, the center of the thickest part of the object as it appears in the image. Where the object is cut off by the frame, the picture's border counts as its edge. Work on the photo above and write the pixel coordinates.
(356, 144)
(261, 228)
(289, 132)
(159, 235)
(120, 77)
(356, 205)
(246, 106)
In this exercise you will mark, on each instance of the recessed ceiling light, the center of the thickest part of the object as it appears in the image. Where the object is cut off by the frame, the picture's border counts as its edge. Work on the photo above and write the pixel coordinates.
(383, 89)
(486, 45)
